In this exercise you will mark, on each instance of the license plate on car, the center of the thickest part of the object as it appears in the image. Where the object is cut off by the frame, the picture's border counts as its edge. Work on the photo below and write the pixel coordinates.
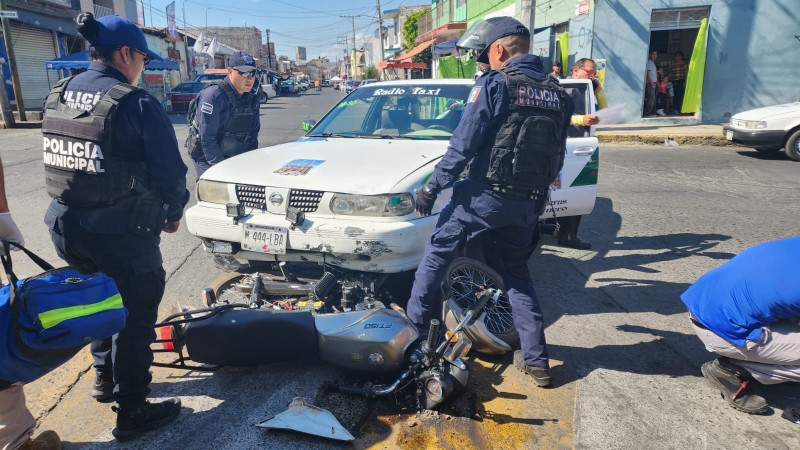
(265, 239)
(729, 135)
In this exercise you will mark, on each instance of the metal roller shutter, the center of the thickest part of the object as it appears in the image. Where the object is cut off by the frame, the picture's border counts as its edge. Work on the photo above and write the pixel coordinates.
(32, 47)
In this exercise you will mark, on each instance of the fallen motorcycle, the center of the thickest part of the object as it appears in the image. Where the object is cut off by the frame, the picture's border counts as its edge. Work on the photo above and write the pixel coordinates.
(359, 333)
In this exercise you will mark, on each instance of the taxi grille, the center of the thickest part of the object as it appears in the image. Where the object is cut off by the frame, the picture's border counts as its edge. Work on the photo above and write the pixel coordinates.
(306, 201)
(251, 196)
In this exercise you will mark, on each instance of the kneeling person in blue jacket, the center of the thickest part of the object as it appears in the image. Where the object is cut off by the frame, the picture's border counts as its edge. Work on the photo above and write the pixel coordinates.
(225, 122)
(747, 311)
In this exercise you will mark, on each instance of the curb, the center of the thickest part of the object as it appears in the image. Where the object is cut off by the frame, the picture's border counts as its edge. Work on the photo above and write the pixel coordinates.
(658, 139)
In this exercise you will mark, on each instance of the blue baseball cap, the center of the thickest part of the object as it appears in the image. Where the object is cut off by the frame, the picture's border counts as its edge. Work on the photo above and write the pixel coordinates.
(116, 31)
(504, 26)
(242, 61)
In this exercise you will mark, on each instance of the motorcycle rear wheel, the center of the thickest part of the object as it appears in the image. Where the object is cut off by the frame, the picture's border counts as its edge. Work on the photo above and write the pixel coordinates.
(465, 277)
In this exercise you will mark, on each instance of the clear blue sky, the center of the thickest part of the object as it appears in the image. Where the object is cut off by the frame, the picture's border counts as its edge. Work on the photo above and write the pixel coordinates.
(314, 24)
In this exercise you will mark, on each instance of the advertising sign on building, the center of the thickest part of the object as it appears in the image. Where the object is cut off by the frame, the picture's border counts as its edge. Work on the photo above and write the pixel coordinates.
(300, 53)
(172, 26)
(582, 8)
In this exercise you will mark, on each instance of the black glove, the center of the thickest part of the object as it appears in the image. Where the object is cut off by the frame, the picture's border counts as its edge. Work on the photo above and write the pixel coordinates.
(424, 202)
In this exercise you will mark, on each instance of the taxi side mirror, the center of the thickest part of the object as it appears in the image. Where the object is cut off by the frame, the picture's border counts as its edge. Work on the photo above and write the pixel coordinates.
(308, 124)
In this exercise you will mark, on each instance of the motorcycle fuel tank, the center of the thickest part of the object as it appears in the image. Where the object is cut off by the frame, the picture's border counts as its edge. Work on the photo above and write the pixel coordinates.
(370, 341)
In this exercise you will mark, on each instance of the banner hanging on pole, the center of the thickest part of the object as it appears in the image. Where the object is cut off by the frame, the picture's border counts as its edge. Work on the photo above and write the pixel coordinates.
(172, 25)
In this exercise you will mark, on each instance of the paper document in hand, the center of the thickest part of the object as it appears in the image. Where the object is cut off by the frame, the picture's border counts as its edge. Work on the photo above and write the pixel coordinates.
(610, 115)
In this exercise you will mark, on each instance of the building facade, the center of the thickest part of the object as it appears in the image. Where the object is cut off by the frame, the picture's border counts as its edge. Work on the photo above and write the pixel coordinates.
(746, 46)
(44, 30)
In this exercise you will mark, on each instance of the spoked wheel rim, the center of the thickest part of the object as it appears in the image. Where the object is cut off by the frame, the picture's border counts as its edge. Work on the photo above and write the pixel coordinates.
(466, 282)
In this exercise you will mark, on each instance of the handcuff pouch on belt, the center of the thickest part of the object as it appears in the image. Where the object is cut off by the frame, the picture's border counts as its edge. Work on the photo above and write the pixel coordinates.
(148, 215)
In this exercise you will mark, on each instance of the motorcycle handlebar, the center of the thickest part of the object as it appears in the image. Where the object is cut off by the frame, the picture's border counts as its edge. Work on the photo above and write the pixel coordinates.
(433, 334)
(484, 297)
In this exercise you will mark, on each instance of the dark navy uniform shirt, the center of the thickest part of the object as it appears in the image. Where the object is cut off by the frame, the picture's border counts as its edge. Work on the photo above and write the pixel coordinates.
(484, 114)
(142, 132)
(213, 110)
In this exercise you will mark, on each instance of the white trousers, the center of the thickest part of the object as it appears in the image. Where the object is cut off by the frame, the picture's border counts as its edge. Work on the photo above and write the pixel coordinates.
(16, 422)
(774, 359)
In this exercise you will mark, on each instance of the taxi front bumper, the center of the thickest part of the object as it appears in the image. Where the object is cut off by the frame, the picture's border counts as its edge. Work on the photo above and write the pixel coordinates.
(355, 243)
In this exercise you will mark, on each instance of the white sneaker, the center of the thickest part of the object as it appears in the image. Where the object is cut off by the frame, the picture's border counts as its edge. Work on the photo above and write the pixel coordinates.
(660, 112)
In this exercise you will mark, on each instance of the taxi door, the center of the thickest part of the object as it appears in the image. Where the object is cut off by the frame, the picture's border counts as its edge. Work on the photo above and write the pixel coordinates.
(574, 191)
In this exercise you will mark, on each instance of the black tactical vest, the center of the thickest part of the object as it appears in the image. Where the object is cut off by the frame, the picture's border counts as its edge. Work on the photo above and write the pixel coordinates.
(234, 137)
(528, 151)
(81, 167)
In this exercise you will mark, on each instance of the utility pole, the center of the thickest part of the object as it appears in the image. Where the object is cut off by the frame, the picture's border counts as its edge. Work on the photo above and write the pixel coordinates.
(12, 64)
(380, 31)
(269, 51)
(353, 21)
(525, 14)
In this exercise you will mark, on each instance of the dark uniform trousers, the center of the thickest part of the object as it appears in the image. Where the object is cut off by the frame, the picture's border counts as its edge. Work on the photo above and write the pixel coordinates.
(94, 239)
(510, 221)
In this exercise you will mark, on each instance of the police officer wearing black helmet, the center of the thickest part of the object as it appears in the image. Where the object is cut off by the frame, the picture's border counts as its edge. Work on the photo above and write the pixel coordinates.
(224, 118)
(113, 167)
(513, 137)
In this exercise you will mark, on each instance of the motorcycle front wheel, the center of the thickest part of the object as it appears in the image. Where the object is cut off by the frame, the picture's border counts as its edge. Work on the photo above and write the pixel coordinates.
(465, 278)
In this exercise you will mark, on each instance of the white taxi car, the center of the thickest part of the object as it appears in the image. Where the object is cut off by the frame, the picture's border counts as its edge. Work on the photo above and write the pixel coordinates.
(768, 130)
(353, 176)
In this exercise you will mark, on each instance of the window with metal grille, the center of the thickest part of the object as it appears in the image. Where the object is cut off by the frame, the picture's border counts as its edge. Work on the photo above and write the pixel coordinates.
(306, 201)
(251, 196)
(663, 19)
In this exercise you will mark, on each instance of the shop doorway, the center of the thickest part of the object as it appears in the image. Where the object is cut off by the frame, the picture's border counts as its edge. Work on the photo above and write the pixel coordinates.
(673, 34)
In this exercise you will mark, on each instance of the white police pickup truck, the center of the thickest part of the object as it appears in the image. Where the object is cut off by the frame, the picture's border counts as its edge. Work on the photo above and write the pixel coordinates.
(768, 130)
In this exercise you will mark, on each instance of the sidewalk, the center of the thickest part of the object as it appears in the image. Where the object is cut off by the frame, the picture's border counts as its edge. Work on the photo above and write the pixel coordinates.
(683, 134)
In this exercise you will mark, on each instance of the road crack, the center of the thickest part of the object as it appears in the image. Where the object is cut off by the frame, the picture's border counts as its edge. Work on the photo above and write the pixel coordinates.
(188, 255)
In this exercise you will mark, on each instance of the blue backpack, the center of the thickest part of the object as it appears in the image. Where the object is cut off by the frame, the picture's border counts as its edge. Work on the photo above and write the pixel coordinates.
(46, 319)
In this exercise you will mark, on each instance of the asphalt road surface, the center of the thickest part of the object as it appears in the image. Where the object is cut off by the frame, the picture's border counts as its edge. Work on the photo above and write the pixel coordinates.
(626, 365)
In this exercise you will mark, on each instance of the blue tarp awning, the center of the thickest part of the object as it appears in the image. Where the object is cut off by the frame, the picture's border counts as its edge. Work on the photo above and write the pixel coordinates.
(445, 48)
(81, 60)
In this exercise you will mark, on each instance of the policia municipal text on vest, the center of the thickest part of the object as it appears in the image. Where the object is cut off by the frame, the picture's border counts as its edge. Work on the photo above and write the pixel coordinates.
(82, 168)
(528, 151)
(234, 137)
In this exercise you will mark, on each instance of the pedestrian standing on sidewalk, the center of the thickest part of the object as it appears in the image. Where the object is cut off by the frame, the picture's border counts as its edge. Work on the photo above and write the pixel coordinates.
(748, 312)
(583, 69)
(678, 71)
(16, 422)
(110, 205)
(650, 81)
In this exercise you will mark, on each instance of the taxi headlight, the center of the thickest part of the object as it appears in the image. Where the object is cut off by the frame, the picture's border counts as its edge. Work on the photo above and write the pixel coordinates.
(384, 205)
(756, 124)
(212, 192)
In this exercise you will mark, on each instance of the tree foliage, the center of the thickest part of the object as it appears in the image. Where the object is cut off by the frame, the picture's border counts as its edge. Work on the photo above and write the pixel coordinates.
(410, 33)
(370, 72)
(283, 58)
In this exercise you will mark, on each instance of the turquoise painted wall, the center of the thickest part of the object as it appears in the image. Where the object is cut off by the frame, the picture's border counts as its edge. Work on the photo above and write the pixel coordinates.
(478, 9)
(459, 12)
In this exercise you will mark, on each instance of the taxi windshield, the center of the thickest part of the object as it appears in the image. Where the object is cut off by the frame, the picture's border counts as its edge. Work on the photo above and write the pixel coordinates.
(395, 111)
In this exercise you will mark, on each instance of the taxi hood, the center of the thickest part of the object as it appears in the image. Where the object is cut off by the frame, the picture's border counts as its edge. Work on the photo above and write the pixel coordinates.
(769, 112)
(345, 165)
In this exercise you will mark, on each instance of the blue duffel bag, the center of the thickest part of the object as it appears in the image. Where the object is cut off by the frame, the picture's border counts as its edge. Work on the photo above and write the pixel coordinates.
(46, 319)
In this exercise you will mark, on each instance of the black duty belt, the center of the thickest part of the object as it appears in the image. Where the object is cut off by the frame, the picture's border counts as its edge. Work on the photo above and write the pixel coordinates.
(5, 384)
(527, 194)
(696, 322)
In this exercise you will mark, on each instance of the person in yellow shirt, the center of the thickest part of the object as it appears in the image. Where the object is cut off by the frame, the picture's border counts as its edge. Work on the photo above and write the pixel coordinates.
(583, 69)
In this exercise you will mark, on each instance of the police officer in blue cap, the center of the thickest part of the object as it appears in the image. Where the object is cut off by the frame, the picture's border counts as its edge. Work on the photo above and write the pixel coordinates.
(513, 137)
(224, 118)
(114, 170)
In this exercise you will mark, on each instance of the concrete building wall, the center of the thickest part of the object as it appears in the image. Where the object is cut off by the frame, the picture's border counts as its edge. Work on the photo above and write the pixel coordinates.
(248, 39)
(751, 52)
